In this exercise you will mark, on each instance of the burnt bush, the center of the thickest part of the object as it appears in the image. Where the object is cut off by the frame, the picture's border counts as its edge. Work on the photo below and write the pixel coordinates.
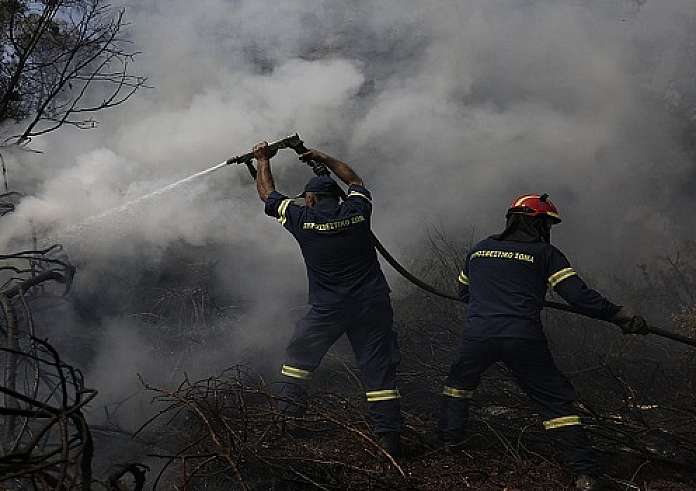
(636, 397)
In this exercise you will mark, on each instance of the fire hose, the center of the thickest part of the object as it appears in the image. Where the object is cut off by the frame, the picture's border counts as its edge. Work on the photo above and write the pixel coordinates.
(294, 142)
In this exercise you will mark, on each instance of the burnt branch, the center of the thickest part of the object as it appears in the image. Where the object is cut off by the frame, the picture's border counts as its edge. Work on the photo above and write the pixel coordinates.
(65, 60)
(55, 445)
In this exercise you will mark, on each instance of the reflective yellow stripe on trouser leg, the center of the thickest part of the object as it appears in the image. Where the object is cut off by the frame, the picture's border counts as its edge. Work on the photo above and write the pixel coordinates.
(552, 424)
(294, 372)
(383, 395)
(457, 393)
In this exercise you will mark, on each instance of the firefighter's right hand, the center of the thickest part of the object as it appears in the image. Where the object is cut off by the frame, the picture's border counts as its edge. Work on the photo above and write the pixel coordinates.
(313, 154)
(629, 322)
(261, 152)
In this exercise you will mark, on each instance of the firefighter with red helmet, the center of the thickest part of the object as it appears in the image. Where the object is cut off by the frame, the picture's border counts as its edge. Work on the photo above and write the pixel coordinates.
(505, 280)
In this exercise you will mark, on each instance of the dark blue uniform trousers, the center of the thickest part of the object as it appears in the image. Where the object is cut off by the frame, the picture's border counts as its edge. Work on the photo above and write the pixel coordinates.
(368, 326)
(531, 363)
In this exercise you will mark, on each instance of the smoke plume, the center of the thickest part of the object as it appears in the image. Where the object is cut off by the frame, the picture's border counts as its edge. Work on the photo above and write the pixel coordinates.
(447, 109)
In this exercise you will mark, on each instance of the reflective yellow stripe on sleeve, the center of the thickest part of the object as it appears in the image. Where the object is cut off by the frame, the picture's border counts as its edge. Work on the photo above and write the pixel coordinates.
(383, 395)
(293, 372)
(282, 208)
(355, 193)
(561, 275)
(552, 424)
(457, 393)
(463, 279)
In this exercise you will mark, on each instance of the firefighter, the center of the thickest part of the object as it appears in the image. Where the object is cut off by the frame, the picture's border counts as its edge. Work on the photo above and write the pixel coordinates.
(348, 292)
(505, 279)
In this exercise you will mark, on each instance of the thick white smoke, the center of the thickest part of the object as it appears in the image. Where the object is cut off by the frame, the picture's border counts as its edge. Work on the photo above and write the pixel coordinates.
(448, 110)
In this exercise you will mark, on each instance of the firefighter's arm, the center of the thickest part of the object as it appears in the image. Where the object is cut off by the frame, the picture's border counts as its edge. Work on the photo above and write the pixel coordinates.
(264, 178)
(579, 295)
(574, 291)
(344, 172)
(565, 281)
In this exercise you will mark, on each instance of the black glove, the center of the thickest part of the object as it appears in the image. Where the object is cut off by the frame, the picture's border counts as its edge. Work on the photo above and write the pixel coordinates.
(629, 322)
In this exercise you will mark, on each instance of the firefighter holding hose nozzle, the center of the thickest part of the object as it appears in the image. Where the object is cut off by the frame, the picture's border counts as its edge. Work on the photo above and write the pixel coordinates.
(505, 279)
(348, 292)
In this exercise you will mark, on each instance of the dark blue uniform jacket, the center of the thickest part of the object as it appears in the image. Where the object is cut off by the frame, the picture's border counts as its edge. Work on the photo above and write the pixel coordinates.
(335, 242)
(505, 283)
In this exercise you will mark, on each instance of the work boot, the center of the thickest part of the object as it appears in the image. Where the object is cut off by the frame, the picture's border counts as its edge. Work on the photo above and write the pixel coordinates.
(585, 482)
(451, 440)
(451, 428)
(434, 441)
(391, 442)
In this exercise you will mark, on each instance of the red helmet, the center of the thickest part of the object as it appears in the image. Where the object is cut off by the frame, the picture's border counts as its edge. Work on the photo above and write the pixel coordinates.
(534, 205)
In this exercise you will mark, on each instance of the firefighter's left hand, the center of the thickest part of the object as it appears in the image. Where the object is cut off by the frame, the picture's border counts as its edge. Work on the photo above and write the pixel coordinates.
(630, 323)
(636, 325)
(261, 151)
